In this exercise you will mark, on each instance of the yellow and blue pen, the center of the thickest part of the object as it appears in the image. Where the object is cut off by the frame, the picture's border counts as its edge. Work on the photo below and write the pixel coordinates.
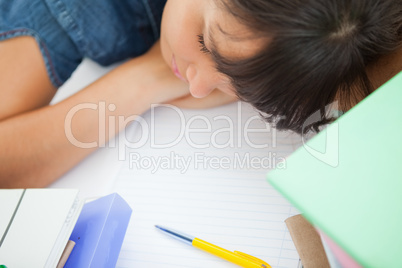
(235, 257)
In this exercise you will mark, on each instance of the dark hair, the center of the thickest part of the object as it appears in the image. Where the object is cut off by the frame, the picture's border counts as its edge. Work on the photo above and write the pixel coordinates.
(317, 53)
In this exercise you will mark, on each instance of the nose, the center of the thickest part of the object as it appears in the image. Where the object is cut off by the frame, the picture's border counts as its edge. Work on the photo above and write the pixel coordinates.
(200, 85)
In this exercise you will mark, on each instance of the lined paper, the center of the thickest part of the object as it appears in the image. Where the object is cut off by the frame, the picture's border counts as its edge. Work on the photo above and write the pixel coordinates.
(204, 173)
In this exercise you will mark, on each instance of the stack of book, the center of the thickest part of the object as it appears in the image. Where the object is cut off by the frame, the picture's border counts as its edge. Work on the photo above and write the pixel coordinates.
(347, 182)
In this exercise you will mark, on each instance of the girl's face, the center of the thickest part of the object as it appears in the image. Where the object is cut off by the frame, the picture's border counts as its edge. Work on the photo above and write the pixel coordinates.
(191, 29)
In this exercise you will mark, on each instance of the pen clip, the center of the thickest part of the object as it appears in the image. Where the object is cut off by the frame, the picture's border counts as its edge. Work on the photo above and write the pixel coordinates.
(254, 259)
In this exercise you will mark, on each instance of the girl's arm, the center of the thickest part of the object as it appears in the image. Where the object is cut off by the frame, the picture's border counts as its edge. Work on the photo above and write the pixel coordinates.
(37, 146)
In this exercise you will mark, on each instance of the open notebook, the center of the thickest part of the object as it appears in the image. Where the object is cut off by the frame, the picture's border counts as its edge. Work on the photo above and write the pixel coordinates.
(203, 173)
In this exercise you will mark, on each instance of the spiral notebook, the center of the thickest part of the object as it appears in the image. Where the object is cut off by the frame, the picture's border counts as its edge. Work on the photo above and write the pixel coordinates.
(203, 173)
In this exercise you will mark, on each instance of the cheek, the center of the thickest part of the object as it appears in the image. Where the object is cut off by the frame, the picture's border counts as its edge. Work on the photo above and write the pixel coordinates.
(171, 31)
(181, 24)
(184, 43)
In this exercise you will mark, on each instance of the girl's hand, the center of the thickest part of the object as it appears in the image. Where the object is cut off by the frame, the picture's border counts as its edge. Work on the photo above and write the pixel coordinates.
(155, 77)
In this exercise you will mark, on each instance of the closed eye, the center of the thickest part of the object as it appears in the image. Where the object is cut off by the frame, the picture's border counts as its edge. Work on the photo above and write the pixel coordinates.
(203, 48)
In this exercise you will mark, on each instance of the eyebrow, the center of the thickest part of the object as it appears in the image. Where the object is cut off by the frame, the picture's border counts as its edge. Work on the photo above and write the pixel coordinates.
(232, 37)
(213, 48)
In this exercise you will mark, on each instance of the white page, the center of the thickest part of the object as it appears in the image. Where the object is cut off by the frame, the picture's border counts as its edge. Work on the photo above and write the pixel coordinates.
(9, 200)
(215, 198)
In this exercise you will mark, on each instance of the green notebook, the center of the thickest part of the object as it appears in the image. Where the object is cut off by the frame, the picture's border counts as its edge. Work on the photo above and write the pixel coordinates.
(348, 179)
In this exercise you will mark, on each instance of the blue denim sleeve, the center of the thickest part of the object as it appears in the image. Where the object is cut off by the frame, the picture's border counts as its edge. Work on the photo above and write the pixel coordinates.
(108, 31)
